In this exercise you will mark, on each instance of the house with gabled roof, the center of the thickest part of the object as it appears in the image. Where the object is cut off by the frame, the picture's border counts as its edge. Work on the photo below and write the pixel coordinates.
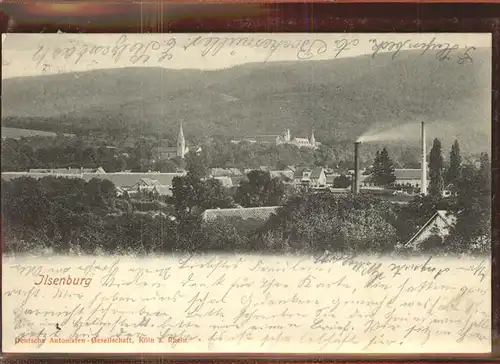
(301, 175)
(440, 224)
(160, 153)
(223, 172)
(160, 190)
(284, 175)
(146, 184)
(318, 177)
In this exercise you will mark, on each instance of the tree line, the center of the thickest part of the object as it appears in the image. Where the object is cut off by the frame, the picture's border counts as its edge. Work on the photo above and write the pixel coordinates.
(138, 154)
(441, 174)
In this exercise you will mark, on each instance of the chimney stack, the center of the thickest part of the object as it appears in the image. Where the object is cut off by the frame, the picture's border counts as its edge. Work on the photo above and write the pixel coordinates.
(423, 182)
(356, 168)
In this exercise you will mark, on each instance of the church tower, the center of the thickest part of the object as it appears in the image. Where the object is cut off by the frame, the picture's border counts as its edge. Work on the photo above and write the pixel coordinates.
(312, 140)
(181, 143)
(288, 136)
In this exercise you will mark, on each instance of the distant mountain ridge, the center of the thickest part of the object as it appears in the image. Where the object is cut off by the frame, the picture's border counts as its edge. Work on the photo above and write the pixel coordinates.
(341, 99)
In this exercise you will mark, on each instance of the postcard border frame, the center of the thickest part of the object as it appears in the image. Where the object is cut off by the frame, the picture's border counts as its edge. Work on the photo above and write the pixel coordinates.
(162, 17)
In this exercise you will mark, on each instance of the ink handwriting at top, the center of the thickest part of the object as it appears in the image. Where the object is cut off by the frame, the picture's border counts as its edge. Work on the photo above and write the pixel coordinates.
(122, 50)
(304, 49)
(344, 304)
(159, 50)
(442, 51)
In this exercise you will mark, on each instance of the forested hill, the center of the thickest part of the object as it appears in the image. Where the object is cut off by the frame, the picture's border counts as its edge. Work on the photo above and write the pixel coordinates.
(339, 98)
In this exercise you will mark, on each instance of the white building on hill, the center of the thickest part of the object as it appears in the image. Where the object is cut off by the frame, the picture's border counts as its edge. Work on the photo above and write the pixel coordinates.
(286, 138)
(310, 142)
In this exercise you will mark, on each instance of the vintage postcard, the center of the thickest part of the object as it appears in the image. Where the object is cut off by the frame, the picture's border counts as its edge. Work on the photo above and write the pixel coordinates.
(246, 193)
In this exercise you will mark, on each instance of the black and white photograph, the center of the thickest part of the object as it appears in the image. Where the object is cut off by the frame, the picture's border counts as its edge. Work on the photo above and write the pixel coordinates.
(246, 193)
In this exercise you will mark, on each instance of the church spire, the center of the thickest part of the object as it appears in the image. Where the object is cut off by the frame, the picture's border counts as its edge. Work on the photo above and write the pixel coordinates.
(312, 140)
(181, 143)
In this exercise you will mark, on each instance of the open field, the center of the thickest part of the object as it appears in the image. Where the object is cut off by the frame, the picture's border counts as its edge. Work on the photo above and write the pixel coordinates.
(17, 133)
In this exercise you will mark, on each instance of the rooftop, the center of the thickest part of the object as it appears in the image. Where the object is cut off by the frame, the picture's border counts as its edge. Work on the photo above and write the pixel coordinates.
(406, 173)
(286, 174)
(163, 190)
(316, 173)
(130, 179)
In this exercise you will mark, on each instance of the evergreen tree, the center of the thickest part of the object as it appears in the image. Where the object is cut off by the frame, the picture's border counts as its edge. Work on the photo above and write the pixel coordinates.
(485, 173)
(436, 162)
(376, 163)
(473, 208)
(375, 170)
(383, 169)
(454, 169)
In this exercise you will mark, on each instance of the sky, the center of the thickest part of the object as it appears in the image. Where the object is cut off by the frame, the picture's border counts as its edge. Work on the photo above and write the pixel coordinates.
(39, 54)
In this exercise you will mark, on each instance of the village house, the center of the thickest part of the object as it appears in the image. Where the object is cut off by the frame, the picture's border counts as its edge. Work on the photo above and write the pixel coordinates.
(145, 184)
(330, 175)
(440, 225)
(302, 176)
(225, 172)
(162, 153)
(161, 191)
(285, 175)
(228, 176)
(120, 191)
(317, 177)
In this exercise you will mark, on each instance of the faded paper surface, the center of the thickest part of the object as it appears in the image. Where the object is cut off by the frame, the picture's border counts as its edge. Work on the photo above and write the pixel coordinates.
(36, 54)
(248, 304)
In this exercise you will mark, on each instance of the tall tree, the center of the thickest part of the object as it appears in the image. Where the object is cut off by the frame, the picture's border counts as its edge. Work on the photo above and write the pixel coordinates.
(192, 194)
(197, 164)
(215, 195)
(260, 190)
(485, 173)
(436, 162)
(455, 166)
(376, 168)
(383, 169)
(473, 209)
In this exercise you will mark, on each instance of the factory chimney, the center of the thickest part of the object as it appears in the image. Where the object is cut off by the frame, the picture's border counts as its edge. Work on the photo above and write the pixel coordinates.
(423, 182)
(356, 168)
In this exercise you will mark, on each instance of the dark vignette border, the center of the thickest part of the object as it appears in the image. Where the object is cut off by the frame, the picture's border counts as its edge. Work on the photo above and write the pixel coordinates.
(158, 16)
